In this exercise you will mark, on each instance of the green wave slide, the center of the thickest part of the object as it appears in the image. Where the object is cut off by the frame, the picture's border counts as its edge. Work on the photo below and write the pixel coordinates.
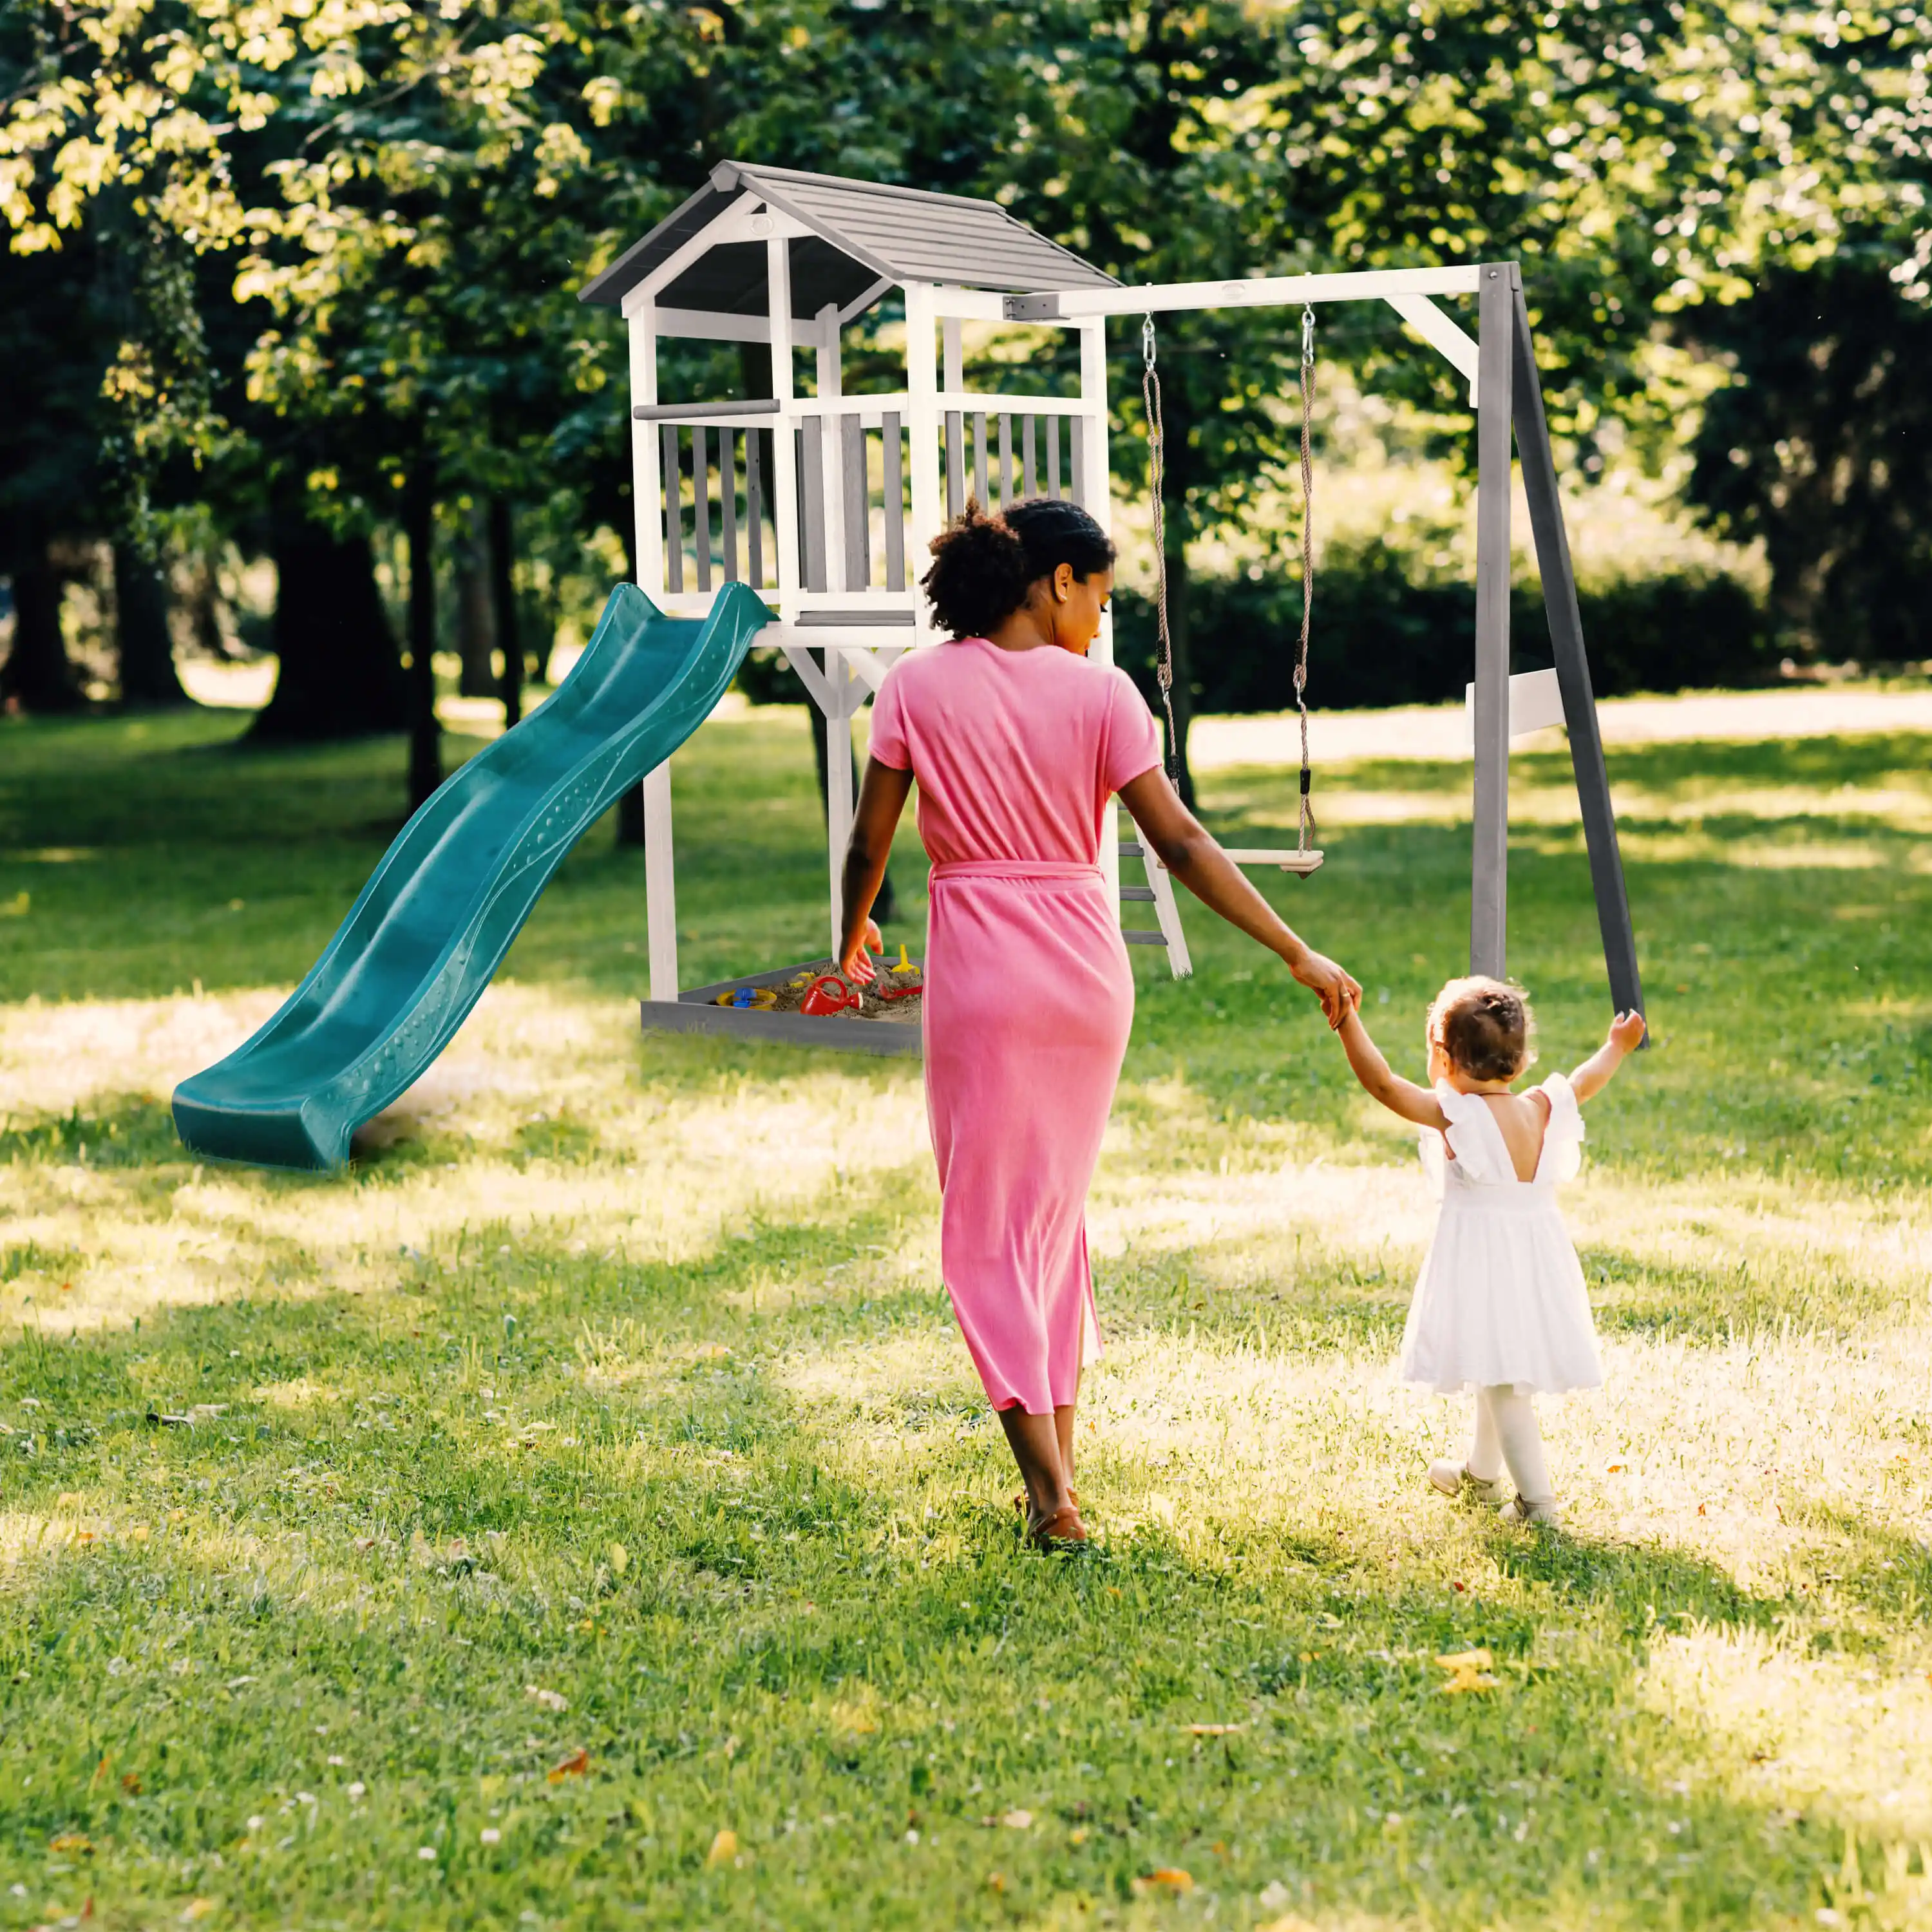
(438, 913)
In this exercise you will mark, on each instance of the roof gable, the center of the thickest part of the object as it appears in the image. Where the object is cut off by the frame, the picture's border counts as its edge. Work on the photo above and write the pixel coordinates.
(863, 233)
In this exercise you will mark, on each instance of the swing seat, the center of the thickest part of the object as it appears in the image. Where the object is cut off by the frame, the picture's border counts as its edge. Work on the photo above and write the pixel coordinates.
(1301, 862)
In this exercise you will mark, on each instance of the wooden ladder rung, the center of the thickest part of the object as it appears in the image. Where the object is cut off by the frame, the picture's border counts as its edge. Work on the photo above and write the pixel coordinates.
(1144, 938)
(1144, 893)
(1130, 850)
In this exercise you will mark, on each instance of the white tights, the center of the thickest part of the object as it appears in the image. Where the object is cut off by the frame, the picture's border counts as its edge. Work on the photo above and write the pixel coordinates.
(1506, 1432)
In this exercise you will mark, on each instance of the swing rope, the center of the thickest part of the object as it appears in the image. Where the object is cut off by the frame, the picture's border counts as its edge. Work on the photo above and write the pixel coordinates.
(1307, 823)
(1163, 673)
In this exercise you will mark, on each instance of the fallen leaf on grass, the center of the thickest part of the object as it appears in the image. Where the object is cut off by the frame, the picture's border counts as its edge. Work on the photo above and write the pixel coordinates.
(724, 1849)
(1017, 1821)
(1216, 1730)
(1169, 1878)
(578, 1764)
(196, 1908)
(996, 1881)
(70, 1841)
(620, 1559)
(131, 1784)
(1468, 1670)
(551, 1700)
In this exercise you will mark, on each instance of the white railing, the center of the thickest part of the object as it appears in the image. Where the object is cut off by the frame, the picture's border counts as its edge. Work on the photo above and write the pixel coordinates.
(720, 513)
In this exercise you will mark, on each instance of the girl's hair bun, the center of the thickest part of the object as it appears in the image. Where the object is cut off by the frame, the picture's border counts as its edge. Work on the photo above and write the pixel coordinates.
(984, 568)
(1485, 1026)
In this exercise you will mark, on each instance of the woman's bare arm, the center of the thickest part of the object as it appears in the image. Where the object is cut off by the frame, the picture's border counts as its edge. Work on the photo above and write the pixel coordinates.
(882, 797)
(1398, 1095)
(1188, 849)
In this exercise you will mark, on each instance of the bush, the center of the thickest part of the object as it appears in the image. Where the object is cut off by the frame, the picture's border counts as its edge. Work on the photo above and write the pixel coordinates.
(1387, 632)
(1383, 633)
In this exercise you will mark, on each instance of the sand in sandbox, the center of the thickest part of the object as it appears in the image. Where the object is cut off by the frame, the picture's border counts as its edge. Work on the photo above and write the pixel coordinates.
(898, 1012)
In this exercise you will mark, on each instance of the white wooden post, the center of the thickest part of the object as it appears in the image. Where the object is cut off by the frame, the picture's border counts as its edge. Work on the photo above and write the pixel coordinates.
(1097, 482)
(784, 461)
(846, 691)
(660, 885)
(922, 439)
(1488, 890)
(832, 450)
(646, 461)
(647, 507)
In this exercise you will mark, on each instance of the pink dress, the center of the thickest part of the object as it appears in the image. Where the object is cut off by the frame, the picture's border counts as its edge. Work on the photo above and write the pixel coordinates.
(1029, 997)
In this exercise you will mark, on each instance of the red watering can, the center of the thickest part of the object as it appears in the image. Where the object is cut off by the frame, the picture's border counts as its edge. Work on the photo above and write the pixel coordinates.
(828, 995)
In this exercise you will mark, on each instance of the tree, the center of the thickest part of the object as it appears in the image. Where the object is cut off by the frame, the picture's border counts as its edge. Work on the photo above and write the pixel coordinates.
(1820, 447)
(1642, 158)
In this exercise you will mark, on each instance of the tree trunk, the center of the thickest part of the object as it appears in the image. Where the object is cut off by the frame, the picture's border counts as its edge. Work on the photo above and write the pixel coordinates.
(338, 672)
(425, 734)
(148, 676)
(476, 619)
(38, 675)
(503, 601)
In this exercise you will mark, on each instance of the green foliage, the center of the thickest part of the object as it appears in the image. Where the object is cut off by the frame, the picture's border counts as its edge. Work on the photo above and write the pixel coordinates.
(1820, 447)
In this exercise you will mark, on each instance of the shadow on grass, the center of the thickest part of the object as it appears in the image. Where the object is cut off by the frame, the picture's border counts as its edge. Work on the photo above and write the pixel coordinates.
(799, 1642)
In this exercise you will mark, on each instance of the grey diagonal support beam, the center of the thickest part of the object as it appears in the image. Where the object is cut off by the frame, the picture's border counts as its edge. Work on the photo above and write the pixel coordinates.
(1489, 884)
(1573, 670)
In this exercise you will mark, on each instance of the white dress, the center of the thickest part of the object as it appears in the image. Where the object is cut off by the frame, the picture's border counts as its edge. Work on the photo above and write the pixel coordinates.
(1501, 1298)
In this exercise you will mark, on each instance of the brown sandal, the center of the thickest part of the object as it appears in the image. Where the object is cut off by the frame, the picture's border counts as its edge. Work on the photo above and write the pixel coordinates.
(1062, 1530)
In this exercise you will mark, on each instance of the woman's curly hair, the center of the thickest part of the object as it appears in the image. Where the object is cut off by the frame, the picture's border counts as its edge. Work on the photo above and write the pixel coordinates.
(984, 568)
(1485, 1026)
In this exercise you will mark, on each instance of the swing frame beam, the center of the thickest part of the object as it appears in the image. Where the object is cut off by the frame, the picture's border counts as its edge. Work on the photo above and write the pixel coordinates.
(1507, 392)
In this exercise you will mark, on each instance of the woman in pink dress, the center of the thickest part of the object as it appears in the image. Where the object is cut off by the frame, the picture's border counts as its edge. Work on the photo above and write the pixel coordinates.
(1017, 743)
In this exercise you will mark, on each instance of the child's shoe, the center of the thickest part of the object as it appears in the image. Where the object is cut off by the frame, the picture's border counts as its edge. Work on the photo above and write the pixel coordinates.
(1544, 1515)
(1452, 1479)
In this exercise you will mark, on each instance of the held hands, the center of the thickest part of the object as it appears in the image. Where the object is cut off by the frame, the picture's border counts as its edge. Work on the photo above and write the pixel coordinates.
(855, 966)
(1627, 1032)
(1337, 989)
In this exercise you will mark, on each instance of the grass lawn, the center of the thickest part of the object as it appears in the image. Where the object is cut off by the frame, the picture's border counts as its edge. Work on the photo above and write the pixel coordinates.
(584, 1514)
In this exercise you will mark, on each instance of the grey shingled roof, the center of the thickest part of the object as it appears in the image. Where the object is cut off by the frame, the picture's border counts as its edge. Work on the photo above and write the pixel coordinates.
(864, 232)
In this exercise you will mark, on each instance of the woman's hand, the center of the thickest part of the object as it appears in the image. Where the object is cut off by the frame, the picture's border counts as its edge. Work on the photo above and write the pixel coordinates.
(855, 967)
(1337, 989)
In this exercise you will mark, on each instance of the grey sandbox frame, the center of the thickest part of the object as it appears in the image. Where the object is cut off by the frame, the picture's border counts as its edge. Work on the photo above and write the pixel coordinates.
(697, 1011)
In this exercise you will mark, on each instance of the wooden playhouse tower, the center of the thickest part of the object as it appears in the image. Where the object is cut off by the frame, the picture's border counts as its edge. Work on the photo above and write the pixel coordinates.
(821, 501)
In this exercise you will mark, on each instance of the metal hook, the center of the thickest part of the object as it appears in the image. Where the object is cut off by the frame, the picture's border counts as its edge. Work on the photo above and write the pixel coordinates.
(1307, 334)
(1147, 341)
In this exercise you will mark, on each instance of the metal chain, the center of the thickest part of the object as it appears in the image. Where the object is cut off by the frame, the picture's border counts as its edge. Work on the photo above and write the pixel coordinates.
(1163, 669)
(1307, 823)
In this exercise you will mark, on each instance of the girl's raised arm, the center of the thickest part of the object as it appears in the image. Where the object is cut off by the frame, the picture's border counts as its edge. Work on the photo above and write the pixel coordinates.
(1400, 1097)
(1593, 1075)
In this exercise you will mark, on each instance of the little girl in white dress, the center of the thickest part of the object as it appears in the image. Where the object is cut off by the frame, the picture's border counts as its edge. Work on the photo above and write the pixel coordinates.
(1500, 1306)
